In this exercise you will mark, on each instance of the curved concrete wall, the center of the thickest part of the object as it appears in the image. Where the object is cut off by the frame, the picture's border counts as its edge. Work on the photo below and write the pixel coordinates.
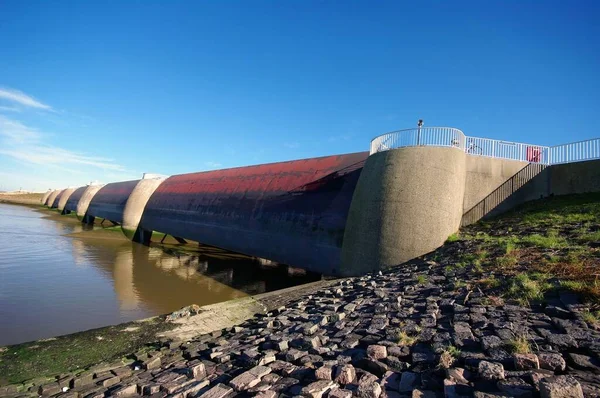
(86, 199)
(64, 197)
(291, 212)
(71, 204)
(132, 214)
(52, 198)
(45, 197)
(109, 202)
(47, 201)
(406, 203)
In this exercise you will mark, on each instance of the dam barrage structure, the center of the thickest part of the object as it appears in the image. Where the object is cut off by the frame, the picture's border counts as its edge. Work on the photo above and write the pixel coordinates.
(345, 214)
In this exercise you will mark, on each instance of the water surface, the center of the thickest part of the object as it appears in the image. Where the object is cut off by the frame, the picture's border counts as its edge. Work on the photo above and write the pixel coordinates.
(57, 278)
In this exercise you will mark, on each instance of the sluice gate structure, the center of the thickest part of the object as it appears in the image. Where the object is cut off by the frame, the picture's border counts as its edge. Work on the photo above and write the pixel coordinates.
(346, 214)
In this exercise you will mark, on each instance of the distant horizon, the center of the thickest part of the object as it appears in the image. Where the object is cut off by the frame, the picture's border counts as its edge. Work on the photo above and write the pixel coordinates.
(107, 91)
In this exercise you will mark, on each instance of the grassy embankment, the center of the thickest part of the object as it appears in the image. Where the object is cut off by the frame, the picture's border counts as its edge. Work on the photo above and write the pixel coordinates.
(533, 253)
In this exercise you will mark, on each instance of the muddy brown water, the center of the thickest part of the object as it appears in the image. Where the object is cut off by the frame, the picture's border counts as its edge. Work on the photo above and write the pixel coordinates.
(57, 277)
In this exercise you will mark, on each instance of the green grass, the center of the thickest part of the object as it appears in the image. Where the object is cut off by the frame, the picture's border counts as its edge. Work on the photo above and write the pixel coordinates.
(455, 237)
(519, 345)
(507, 261)
(404, 339)
(448, 357)
(593, 318)
(551, 241)
(591, 237)
(526, 288)
(421, 279)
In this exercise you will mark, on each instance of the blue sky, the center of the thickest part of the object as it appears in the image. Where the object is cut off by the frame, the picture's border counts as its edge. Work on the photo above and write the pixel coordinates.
(108, 90)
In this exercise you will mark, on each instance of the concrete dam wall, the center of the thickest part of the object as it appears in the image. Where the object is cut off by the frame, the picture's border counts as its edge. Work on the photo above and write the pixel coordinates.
(336, 215)
(291, 212)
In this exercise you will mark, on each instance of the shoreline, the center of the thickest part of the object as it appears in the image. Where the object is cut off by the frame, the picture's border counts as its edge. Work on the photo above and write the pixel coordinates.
(196, 320)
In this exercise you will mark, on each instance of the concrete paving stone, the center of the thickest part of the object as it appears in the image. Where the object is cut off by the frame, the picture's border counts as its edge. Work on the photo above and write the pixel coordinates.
(489, 342)
(193, 388)
(552, 361)
(418, 393)
(526, 361)
(584, 362)
(490, 370)
(560, 387)
(293, 355)
(109, 382)
(408, 381)
(150, 389)
(123, 371)
(152, 363)
(562, 341)
(377, 351)
(516, 387)
(266, 394)
(324, 373)
(45, 389)
(344, 374)
(218, 391)
(317, 388)
(368, 390)
(82, 380)
(125, 391)
(458, 375)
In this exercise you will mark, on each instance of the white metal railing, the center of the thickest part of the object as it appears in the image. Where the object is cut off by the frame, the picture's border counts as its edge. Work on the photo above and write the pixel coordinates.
(429, 136)
(451, 137)
(575, 151)
(507, 150)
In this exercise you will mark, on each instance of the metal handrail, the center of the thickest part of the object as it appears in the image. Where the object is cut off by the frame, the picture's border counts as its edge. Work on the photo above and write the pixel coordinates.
(575, 151)
(452, 137)
(428, 136)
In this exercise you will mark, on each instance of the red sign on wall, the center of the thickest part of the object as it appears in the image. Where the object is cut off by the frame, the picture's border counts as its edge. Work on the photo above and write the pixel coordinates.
(534, 154)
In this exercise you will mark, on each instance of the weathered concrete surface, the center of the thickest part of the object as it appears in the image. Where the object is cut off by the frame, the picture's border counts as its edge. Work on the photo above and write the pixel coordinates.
(52, 198)
(290, 212)
(109, 202)
(580, 177)
(132, 214)
(406, 203)
(64, 197)
(71, 204)
(86, 199)
(223, 315)
(484, 175)
(45, 197)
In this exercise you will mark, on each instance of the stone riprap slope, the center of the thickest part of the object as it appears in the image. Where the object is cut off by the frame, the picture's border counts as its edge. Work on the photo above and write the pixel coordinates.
(409, 332)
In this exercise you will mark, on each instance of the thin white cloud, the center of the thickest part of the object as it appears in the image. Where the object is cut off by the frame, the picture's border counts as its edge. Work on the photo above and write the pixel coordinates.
(212, 165)
(16, 132)
(9, 108)
(21, 98)
(26, 145)
(291, 145)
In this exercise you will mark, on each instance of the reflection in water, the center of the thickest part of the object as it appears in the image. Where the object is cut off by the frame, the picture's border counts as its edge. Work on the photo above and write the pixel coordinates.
(59, 276)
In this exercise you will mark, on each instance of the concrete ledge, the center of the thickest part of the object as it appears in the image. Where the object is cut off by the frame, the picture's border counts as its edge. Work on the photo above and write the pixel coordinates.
(227, 314)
